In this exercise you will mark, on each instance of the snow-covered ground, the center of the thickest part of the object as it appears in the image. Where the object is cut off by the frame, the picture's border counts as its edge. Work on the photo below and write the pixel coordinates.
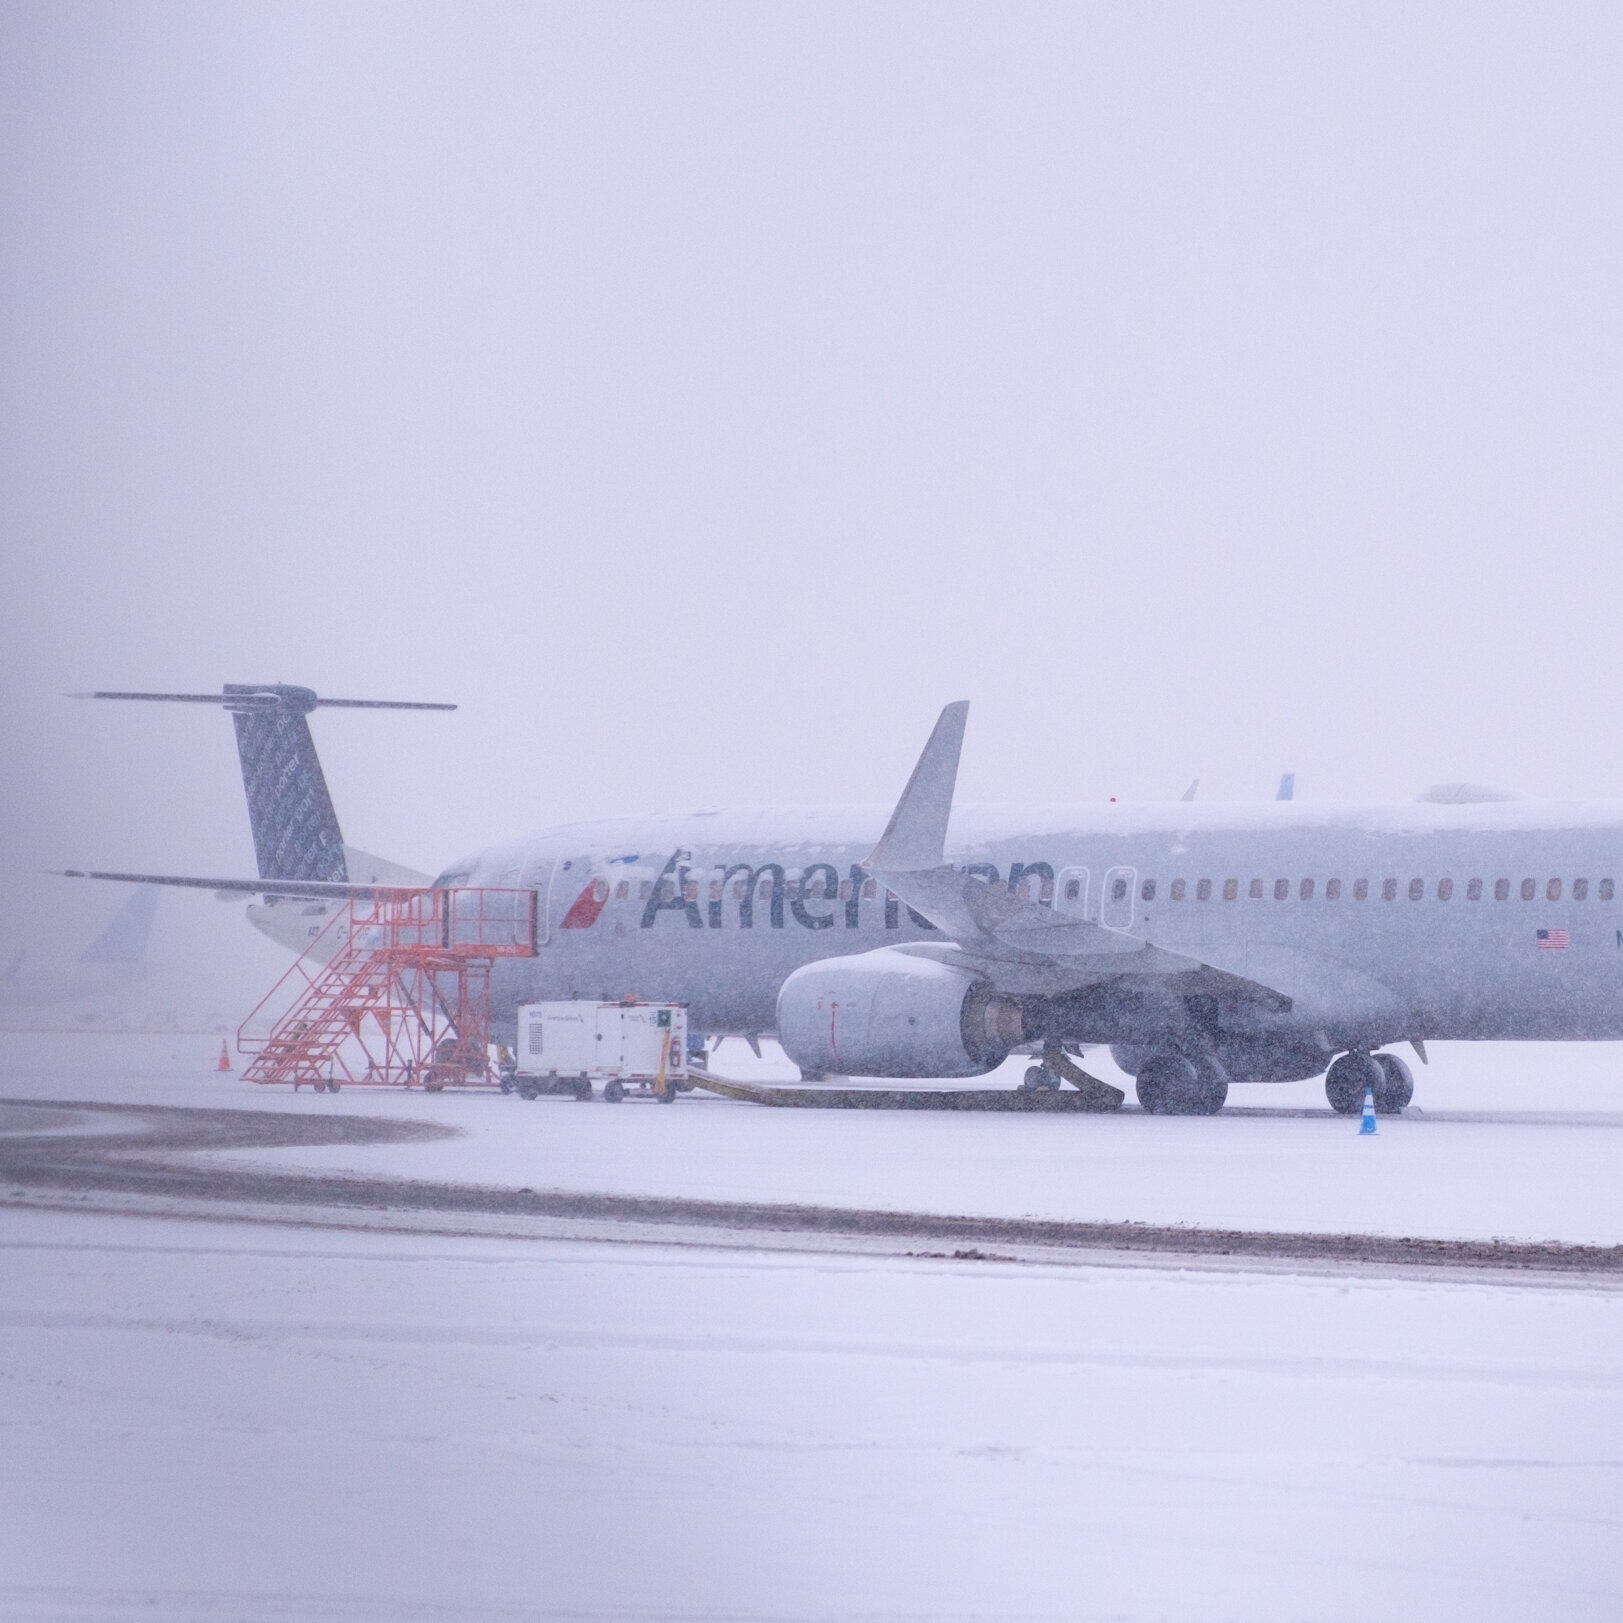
(213, 1421)
(210, 1422)
(1512, 1141)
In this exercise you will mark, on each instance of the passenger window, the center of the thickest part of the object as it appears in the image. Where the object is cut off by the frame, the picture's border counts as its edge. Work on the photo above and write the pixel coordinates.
(715, 890)
(1332, 890)
(1203, 891)
(870, 889)
(1231, 889)
(1417, 889)
(1073, 889)
(1580, 890)
(1473, 891)
(1445, 890)
(1389, 890)
(1529, 889)
(1305, 890)
(1501, 890)
(1178, 888)
(1606, 890)
(622, 890)
(1118, 890)
(738, 890)
(1360, 890)
(1552, 891)
(645, 889)
(845, 890)
(1282, 889)
(1147, 890)
(1256, 890)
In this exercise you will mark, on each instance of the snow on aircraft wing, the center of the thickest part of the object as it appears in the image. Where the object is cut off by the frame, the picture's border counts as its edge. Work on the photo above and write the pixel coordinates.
(1021, 944)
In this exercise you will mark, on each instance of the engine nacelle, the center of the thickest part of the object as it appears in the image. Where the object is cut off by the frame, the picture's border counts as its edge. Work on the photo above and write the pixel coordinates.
(887, 1013)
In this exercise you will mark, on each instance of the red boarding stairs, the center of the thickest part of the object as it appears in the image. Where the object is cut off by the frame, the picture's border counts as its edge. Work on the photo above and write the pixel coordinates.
(394, 992)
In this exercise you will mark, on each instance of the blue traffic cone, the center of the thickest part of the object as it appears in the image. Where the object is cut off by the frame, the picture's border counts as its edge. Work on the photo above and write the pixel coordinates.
(1367, 1124)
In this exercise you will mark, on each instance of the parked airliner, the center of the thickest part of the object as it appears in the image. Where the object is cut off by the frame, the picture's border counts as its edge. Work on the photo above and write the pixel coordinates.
(1205, 944)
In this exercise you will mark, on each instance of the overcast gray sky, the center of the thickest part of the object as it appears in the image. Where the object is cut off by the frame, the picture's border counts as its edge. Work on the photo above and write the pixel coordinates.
(701, 395)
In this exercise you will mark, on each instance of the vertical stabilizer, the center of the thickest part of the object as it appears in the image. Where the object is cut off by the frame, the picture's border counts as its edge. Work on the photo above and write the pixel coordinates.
(296, 834)
(124, 941)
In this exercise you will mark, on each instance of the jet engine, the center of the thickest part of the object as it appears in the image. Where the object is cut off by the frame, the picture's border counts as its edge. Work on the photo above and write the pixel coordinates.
(887, 1013)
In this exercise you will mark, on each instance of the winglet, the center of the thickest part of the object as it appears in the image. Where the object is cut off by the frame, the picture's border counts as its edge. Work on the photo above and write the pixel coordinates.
(916, 836)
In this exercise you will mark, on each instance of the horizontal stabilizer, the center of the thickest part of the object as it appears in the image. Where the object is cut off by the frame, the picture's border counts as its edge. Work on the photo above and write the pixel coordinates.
(319, 889)
(269, 699)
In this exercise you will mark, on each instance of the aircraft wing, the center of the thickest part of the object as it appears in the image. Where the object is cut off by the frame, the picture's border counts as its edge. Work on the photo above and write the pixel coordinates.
(1020, 945)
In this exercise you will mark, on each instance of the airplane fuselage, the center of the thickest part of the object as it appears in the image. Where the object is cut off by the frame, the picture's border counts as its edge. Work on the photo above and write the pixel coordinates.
(1497, 920)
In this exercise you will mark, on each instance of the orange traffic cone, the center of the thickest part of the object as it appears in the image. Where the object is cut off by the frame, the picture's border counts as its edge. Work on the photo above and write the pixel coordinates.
(225, 1058)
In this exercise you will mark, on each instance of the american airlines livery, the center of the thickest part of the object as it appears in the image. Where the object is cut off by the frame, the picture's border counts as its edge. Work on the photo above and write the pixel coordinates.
(1205, 944)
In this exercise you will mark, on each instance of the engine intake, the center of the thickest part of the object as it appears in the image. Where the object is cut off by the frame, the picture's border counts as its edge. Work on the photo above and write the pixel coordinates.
(887, 1013)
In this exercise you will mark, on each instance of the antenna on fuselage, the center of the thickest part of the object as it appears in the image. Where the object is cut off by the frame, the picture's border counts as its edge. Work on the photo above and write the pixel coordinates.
(1287, 787)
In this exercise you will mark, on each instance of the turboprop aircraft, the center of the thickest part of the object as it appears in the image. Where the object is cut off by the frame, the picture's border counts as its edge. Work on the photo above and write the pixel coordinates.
(1204, 943)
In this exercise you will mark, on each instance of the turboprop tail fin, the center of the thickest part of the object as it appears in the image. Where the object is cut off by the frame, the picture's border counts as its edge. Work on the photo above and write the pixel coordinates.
(296, 833)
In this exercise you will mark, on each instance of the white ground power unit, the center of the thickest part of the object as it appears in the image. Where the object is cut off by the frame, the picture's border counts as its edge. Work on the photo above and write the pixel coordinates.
(566, 1047)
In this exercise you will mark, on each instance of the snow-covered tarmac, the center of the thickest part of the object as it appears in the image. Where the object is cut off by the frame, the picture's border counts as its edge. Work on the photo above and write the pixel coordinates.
(218, 1420)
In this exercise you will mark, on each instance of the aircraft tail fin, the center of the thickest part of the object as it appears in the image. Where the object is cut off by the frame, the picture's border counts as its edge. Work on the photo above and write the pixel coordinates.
(296, 833)
(124, 941)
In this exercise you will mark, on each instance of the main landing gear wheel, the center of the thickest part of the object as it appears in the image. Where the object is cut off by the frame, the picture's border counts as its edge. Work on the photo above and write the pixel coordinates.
(1168, 1085)
(1396, 1087)
(1039, 1079)
(1346, 1080)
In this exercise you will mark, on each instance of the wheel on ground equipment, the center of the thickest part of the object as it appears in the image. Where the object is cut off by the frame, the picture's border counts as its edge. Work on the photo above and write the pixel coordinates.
(1039, 1078)
(583, 1088)
(614, 1092)
(1396, 1087)
(667, 1094)
(1169, 1085)
(1346, 1080)
(528, 1090)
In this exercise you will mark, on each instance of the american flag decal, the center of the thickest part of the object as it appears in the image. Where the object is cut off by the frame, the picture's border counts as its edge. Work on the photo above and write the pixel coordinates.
(1552, 938)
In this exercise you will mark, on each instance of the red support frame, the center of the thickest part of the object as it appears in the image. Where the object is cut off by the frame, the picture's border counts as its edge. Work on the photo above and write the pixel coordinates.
(394, 992)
